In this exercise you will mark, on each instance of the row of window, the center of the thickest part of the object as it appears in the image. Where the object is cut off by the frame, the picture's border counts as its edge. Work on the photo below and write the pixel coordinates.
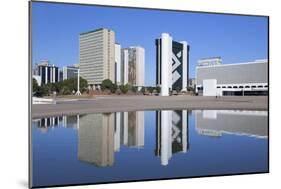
(238, 87)
(241, 87)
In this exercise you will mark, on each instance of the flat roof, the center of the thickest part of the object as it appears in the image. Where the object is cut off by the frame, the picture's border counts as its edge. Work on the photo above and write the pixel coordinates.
(210, 58)
(234, 64)
(92, 31)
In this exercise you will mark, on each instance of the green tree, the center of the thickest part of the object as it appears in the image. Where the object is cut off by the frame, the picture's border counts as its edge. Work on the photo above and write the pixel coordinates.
(150, 89)
(143, 89)
(134, 89)
(124, 88)
(158, 89)
(35, 87)
(108, 85)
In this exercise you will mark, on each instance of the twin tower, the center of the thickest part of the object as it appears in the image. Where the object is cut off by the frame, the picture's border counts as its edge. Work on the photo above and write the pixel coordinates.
(172, 60)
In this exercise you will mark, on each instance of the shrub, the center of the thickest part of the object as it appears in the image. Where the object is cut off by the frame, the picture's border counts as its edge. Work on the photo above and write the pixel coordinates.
(124, 88)
(108, 85)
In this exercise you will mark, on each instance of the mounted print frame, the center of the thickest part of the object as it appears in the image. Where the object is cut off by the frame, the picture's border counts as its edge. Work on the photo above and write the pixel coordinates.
(123, 94)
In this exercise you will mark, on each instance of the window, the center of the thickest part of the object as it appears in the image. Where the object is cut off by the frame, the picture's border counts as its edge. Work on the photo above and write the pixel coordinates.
(229, 87)
(223, 86)
(253, 86)
(235, 87)
(218, 87)
(247, 86)
(241, 87)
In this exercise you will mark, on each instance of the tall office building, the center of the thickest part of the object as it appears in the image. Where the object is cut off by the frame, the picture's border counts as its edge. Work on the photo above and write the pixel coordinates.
(70, 72)
(118, 64)
(47, 72)
(172, 60)
(133, 66)
(97, 56)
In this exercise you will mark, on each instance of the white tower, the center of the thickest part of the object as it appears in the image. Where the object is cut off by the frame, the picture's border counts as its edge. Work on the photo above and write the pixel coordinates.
(166, 57)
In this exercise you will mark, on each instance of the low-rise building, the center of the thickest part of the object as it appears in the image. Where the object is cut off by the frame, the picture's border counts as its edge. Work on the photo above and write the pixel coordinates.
(217, 79)
(49, 73)
(70, 72)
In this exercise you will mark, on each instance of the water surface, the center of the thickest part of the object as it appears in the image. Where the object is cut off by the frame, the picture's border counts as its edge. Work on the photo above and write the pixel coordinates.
(123, 146)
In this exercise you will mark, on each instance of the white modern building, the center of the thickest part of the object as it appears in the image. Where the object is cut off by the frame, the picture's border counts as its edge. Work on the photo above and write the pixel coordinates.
(117, 64)
(217, 79)
(171, 134)
(172, 61)
(133, 66)
(97, 56)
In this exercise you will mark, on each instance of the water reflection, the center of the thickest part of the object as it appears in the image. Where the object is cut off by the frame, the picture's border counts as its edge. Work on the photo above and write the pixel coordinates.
(101, 135)
(171, 134)
(45, 123)
(216, 122)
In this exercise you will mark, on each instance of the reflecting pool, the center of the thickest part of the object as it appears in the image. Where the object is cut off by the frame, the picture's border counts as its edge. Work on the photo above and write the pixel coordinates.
(124, 146)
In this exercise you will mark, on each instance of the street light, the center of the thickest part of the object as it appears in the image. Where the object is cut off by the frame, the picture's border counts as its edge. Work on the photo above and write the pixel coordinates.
(78, 83)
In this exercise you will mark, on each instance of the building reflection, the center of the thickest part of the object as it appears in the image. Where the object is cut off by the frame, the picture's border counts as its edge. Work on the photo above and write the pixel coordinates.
(95, 139)
(100, 135)
(43, 124)
(217, 122)
(171, 133)
(71, 121)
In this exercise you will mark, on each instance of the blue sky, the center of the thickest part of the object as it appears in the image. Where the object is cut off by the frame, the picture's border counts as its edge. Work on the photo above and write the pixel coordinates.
(56, 28)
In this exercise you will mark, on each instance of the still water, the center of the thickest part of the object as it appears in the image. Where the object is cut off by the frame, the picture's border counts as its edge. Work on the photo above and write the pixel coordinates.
(122, 146)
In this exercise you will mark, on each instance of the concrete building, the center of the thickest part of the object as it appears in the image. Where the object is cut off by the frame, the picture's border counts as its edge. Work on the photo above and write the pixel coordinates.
(97, 56)
(172, 60)
(49, 73)
(237, 122)
(217, 79)
(70, 72)
(118, 64)
(133, 66)
(171, 133)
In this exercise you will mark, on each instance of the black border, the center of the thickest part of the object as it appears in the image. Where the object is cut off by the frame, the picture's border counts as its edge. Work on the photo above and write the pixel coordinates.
(117, 6)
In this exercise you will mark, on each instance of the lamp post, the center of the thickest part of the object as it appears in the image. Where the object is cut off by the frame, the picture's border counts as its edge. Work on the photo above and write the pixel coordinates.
(78, 83)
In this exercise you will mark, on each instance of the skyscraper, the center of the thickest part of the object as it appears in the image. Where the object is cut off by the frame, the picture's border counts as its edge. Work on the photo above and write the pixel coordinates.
(172, 60)
(133, 66)
(97, 56)
(118, 64)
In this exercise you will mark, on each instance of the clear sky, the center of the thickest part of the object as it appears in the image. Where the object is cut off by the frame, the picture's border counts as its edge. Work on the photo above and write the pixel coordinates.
(56, 29)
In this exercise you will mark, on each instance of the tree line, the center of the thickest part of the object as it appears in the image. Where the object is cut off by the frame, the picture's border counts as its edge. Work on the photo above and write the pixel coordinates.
(65, 87)
(69, 86)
